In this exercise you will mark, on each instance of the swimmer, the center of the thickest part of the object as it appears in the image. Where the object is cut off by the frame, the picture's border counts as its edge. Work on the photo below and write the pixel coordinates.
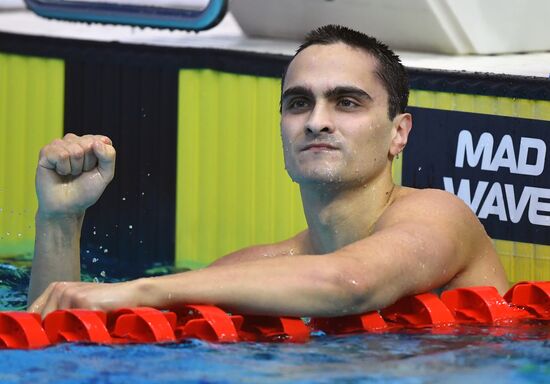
(368, 243)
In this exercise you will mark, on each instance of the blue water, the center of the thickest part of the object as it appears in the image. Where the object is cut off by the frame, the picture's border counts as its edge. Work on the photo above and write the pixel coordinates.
(463, 355)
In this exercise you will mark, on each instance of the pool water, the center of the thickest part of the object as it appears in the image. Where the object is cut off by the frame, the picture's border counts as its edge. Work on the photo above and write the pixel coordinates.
(471, 354)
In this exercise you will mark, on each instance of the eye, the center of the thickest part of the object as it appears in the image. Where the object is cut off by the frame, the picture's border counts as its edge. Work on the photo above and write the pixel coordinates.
(297, 104)
(347, 103)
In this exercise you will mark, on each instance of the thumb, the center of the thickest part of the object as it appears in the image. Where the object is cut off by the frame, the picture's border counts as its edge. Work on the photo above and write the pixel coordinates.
(106, 155)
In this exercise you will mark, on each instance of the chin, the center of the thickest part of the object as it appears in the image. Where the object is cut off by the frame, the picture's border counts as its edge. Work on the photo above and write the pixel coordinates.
(316, 176)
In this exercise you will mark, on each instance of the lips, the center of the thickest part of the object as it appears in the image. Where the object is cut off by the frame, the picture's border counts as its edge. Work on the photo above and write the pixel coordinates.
(318, 146)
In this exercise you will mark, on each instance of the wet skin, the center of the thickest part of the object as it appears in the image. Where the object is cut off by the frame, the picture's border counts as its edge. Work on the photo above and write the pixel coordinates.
(368, 242)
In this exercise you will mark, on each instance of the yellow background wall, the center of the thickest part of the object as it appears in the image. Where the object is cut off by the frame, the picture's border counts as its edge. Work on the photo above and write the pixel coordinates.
(232, 189)
(31, 114)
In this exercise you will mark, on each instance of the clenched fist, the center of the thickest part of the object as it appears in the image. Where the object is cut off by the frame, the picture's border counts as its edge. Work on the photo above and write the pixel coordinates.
(72, 174)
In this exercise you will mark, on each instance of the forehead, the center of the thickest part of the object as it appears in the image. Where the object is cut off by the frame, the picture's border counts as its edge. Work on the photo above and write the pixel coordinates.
(328, 66)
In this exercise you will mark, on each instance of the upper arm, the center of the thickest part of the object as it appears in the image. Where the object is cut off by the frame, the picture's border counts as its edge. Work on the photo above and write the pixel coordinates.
(292, 246)
(419, 244)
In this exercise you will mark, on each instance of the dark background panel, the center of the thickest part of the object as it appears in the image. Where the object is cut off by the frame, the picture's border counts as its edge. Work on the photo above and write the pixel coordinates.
(431, 153)
(129, 92)
(265, 64)
(132, 226)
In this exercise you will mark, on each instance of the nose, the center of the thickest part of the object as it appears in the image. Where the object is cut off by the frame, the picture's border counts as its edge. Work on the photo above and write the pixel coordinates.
(319, 121)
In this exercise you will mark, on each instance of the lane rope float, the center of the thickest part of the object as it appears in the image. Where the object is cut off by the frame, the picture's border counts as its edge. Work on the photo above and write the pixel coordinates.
(525, 302)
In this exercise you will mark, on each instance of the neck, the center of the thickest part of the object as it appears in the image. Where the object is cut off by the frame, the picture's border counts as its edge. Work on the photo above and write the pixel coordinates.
(341, 215)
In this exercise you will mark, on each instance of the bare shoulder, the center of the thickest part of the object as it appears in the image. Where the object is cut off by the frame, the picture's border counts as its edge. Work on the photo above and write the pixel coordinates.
(449, 222)
(429, 206)
(297, 245)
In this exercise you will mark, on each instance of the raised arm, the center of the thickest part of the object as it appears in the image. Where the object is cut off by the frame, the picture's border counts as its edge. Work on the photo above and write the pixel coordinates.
(72, 174)
(420, 244)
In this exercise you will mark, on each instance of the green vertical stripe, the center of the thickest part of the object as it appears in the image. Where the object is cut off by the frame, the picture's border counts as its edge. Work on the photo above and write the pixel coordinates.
(31, 114)
(232, 188)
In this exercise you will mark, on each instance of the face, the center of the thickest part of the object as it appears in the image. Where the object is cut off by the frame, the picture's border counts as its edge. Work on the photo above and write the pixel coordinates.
(335, 125)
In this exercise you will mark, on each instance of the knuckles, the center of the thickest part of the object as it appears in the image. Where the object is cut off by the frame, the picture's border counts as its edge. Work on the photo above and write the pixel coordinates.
(71, 295)
(76, 153)
(75, 146)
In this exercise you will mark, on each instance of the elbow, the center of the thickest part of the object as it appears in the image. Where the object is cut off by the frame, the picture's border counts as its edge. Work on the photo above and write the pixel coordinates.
(348, 288)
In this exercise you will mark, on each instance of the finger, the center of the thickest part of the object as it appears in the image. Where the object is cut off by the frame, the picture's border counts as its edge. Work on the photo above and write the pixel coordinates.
(76, 159)
(106, 156)
(52, 303)
(67, 299)
(38, 304)
(71, 138)
(43, 158)
(56, 157)
(104, 139)
(90, 160)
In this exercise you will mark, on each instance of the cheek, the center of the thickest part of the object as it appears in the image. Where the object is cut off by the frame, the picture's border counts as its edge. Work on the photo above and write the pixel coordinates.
(371, 143)
(290, 129)
(287, 139)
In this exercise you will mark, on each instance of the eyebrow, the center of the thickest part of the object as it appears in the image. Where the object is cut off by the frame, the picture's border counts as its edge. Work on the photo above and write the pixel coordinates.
(347, 91)
(330, 93)
(297, 91)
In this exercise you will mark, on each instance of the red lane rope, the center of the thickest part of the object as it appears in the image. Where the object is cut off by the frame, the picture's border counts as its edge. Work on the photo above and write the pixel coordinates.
(525, 301)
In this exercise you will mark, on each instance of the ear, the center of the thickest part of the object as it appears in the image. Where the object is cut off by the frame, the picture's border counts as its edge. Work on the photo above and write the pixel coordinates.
(402, 125)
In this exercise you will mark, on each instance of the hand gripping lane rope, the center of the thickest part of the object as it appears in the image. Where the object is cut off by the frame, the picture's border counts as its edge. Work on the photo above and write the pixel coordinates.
(524, 302)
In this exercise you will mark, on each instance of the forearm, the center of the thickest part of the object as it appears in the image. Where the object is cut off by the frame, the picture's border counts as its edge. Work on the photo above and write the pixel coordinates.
(292, 286)
(56, 252)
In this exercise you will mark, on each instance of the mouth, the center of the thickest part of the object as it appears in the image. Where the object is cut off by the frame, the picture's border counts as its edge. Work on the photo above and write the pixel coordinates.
(318, 147)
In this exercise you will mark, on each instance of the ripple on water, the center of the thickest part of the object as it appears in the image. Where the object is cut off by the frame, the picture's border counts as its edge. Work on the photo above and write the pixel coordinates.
(467, 354)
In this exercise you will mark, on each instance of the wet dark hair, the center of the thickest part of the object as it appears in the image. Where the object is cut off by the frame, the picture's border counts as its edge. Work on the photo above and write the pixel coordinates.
(390, 70)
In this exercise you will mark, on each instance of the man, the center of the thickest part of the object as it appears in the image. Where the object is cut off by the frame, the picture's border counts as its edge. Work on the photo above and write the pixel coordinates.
(369, 242)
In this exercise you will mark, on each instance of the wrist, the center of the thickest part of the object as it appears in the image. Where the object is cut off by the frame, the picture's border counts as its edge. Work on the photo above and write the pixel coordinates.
(47, 216)
(158, 292)
(143, 291)
(62, 230)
